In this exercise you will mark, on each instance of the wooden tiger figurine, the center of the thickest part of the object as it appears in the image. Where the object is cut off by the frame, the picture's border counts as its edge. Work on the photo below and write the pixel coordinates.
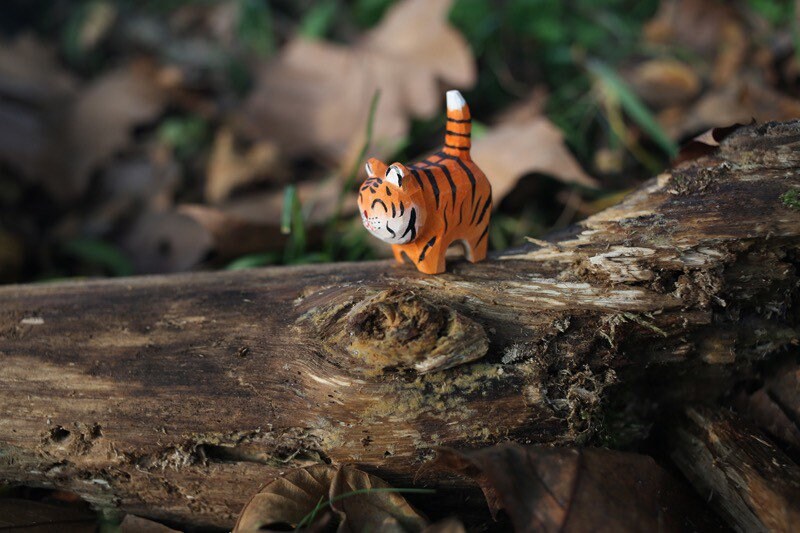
(421, 209)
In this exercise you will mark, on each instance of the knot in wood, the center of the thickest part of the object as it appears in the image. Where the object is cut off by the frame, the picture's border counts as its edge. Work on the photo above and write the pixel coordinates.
(400, 329)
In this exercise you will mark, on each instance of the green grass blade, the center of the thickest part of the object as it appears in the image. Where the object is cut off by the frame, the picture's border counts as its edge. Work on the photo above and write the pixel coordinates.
(632, 105)
(252, 261)
(287, 214)
(330, 238)
(318, 21)
(100, 253)
(309, 518)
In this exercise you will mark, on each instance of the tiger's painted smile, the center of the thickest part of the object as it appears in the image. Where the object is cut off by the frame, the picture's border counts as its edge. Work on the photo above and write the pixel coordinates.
(393, 216)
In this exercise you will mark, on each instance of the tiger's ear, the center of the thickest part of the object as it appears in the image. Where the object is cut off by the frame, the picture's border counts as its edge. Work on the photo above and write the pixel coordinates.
(370, 172)
(394, 175)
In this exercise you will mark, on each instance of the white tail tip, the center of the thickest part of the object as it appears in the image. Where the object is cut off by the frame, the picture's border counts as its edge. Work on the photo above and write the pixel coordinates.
(455, 101)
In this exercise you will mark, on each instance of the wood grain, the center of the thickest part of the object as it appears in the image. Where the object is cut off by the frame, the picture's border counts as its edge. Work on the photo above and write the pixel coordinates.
(178, 396)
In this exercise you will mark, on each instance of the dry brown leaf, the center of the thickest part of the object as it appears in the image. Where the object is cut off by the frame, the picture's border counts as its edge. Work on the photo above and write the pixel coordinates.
(318, 198)
(101, 121)
(229, 169)
(705, 143)
(569, 490)
(509, 151)
(314, 98)
(32, 85)
(378, 511)
(448, 525)
(137, 524)
(694, 24)
(741, 101)
(166, 242)
(233, 236)
(30, 70)
(665, 82)
(720, 35)
(289, 499)
(40, 517)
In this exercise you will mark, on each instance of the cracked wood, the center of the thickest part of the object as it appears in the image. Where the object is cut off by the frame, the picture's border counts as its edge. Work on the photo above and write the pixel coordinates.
(179, 396)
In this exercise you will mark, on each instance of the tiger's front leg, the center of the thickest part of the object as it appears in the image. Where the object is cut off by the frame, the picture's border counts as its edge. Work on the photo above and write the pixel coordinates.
(431, 258)
(397, 250)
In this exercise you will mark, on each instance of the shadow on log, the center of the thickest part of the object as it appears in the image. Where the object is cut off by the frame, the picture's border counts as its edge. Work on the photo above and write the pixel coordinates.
(177, 397)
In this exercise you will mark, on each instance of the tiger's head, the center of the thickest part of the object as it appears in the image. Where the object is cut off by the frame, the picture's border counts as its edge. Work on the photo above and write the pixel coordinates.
(390, 203)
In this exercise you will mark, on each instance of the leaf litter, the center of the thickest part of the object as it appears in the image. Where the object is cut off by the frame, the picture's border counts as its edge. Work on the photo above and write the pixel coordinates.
(313, 496)
(174, 154)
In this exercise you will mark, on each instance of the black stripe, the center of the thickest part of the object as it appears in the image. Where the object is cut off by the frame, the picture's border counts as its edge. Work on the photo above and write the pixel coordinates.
(466, 169)
(449, 180)
(394, 213)
(425, 249)
(475, 211)
(424, 163)
(372, 190)
(388, 192)
(460, 120)
(462, 148)
(457, 134)
(483, 211)
(410, 226)
(415, 173)
(390, 229)
(365, 187)
(482, 235)
(378, 200)
(444, 211)
(402, 208)
(434, 185)
(461, 212)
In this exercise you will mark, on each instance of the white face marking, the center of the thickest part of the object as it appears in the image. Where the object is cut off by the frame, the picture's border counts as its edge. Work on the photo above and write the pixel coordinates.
(397, 229)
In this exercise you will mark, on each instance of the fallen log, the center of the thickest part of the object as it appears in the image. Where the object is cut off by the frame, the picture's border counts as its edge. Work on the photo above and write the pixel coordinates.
(177, 397)
(749, 480)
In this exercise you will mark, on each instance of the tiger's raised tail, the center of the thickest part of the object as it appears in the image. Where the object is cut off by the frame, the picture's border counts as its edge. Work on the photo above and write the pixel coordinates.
(457, 139)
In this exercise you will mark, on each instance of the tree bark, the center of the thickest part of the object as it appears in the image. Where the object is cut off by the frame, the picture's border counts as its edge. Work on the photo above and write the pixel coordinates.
(751, 482)
(177, 397)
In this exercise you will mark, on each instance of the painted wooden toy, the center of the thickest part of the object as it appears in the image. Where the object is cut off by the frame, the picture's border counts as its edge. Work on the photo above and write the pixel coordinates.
(423, 208)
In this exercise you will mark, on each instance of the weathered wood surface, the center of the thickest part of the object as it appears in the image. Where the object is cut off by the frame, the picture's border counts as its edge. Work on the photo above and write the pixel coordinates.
(179, 396)
(750, 481)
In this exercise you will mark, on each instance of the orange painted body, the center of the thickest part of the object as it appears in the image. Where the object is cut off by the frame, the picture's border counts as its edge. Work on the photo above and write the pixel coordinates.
(423, 208)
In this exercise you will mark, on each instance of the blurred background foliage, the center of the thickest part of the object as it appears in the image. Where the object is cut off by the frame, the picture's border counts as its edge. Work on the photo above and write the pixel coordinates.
(122, 149)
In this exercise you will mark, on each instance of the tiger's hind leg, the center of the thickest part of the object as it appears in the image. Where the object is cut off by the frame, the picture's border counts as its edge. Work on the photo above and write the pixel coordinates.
(476, 248)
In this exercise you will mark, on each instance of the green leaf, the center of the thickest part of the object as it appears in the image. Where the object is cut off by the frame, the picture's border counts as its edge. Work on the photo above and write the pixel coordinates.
(332, 243)
(318, 21)
(367, 13)
(253, 261)
(289, 200)
(185, 134)
(101, 253)
(309, 518)
(634, 107)
(255, 27)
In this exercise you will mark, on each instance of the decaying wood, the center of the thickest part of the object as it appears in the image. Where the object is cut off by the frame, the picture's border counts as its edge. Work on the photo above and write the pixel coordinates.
(179, 396)
(753, 484)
